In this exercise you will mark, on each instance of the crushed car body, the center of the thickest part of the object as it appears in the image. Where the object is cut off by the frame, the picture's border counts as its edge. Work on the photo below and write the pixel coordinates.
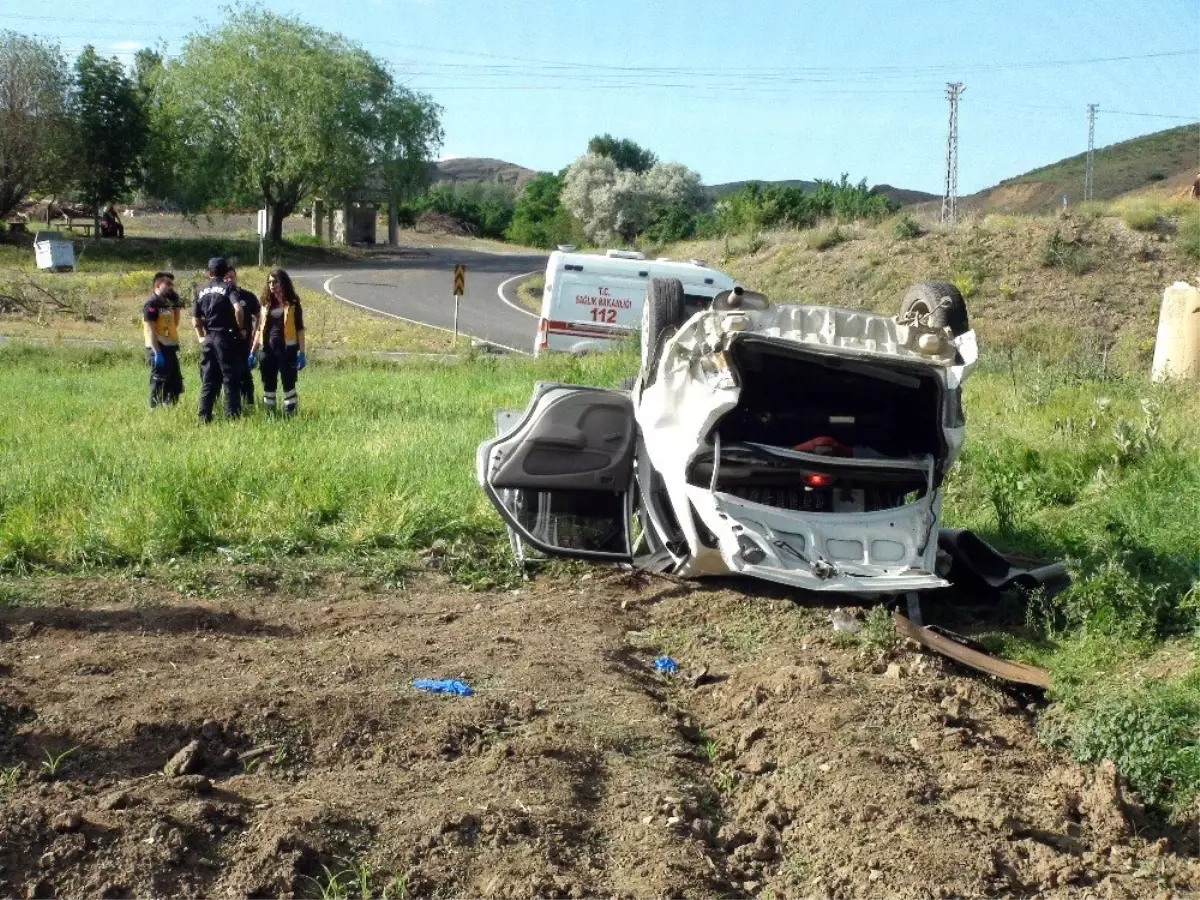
(805, 445)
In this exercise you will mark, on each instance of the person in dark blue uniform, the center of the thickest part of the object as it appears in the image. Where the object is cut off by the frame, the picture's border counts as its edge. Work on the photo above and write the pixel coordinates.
(160, 329)
(217, 316)
(250, 314)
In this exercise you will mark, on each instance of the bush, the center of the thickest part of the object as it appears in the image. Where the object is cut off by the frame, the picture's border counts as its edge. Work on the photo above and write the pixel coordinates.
(1060, 253)
(826, 238)
(1140, 215)
(904, 228)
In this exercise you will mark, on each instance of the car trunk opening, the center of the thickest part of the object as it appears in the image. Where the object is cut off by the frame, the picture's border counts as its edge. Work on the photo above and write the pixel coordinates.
(816, 432)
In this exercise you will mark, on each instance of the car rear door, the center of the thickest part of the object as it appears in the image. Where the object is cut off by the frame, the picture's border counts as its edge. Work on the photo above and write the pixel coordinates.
(560, 473)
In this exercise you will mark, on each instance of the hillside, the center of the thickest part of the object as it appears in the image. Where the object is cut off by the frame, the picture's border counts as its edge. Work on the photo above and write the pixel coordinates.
(1059, 286)
(474, 169)
(902, 196)
(1170, 157)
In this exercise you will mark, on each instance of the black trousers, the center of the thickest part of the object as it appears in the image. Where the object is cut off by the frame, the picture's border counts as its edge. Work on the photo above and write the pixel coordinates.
(166, 382)
(279, 364)
(247, 375)
(222, 364)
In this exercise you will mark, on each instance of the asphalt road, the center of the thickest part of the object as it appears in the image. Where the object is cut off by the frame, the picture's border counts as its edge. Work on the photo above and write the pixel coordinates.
(416, 286)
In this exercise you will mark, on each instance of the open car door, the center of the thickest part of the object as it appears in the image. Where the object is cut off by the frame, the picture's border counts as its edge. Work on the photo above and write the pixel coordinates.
(560, 473)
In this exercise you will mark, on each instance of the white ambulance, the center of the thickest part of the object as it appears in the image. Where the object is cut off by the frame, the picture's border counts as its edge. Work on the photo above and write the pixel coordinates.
(590, 300)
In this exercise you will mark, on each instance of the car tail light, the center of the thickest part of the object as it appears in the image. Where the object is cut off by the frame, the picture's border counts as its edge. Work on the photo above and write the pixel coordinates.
(543, 336)
(816, 479)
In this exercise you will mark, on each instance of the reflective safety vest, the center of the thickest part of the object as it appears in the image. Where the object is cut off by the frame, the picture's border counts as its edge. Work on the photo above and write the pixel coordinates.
(270, 323)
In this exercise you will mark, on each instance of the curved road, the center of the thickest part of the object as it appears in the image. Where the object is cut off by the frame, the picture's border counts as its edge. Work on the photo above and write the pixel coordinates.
(415, 286)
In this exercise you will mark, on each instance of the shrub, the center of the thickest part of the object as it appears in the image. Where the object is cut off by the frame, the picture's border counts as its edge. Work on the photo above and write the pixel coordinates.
(966, 284)
(1140, 215)
(1060, 253)
(825, 238)
(904, 228)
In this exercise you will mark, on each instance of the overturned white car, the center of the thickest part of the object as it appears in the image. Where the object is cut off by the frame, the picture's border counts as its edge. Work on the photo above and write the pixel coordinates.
(805, 445)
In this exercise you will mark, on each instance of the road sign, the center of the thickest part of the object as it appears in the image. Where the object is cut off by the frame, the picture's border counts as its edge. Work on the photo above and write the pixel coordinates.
(460, 288)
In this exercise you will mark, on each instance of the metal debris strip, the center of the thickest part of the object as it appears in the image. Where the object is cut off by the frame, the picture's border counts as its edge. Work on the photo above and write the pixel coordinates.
(1019, 673)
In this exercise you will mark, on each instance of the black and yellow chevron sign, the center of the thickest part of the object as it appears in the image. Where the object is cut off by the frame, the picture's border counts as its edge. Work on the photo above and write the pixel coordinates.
(460, 279)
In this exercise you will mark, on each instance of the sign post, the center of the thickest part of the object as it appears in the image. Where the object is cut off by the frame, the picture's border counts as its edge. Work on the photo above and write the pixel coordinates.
(262, 234)
(460, 285)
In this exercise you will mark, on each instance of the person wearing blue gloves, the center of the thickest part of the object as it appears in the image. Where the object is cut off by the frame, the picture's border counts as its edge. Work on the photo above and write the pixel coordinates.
(279, 349)
(160, 329)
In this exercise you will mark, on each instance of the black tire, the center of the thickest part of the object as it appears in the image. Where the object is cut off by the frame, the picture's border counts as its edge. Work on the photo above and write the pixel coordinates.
(661, 318)
(941, 302)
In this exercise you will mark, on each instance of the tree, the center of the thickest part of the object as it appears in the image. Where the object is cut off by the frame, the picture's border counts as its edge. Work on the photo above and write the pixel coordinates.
(627, 155)
(539, 218)
(110, 125)
(285, 111)
(34, 84)
(611, 202)
(408, 135)
(675, 185)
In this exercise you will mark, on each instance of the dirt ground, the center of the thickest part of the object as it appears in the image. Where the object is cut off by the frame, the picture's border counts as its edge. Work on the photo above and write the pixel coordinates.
(267, 742)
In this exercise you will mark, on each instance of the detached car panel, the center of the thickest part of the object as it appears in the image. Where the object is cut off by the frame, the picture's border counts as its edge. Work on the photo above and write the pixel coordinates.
(560, 472)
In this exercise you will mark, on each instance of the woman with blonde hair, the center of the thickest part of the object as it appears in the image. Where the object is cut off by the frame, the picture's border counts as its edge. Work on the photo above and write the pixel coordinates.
(279, 343)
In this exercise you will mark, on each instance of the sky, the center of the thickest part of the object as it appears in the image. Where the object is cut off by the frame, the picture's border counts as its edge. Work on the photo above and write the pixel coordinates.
(742, 89)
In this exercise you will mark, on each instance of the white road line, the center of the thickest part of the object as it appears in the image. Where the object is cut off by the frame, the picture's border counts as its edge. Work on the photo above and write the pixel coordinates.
(381, 312)
(506, 283)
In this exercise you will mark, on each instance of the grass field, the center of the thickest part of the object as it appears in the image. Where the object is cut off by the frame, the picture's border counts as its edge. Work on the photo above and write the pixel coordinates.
(1058, 464)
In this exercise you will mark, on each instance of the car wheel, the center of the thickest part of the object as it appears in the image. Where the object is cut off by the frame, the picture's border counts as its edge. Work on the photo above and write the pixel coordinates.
(940, 303)
(662, 315)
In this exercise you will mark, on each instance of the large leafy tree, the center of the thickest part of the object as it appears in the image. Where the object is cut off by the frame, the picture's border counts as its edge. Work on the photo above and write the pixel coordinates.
(610, 202)
(627, 155)
(265, 105)
(110, 124)
(34, 84)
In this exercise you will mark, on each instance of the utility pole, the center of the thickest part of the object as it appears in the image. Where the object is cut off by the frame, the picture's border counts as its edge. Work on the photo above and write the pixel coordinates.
(954, 90)
(1088, 171)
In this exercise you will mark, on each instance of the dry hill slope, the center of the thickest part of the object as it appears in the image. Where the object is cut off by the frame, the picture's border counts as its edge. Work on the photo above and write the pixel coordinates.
(1171, 156)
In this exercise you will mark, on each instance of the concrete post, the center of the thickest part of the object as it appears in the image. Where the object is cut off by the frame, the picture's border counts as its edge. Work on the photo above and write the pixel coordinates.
(329, 229)
(318, 219)
(393, 224)
(1177, 347)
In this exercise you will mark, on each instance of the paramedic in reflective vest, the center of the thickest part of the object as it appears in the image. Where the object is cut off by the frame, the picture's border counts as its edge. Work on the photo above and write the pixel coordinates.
(280, 340)
(250, 312)
(217, 317)
(160, 328)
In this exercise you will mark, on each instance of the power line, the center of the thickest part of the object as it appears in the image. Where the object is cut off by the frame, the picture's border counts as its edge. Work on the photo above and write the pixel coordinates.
(954, 90)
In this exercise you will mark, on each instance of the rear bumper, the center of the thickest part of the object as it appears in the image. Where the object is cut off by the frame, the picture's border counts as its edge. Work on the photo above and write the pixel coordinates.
(883, 552)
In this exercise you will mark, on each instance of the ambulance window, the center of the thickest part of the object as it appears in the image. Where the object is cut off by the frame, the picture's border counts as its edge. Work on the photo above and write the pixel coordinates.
(643, 274)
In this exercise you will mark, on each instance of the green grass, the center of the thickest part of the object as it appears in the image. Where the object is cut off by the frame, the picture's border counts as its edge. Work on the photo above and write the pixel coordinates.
(529, 293)
(184, 255)
(380, 457)
(1189, 235)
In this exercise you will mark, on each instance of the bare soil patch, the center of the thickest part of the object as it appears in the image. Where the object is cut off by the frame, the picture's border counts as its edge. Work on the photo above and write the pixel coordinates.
(256, 743)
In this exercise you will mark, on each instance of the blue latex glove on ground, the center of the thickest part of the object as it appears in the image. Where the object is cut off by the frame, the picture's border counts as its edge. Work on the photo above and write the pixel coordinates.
(300, 361)
(251, 361)
(159, 361)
